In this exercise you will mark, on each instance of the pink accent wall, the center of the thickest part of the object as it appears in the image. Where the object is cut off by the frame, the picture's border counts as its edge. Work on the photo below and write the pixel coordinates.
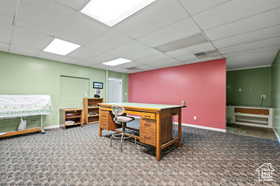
(202, 85)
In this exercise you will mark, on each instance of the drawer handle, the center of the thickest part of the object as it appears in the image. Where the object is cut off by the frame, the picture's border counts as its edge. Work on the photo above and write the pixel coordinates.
(147, 137)
(147, 116)
(147, 125)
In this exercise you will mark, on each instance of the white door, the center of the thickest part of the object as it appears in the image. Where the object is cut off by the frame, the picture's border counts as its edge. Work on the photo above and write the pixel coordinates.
(115, 90)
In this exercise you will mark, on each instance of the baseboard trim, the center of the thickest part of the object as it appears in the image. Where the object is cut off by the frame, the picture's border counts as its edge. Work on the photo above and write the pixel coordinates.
(201, 127)
(52, 127)
(276, 134)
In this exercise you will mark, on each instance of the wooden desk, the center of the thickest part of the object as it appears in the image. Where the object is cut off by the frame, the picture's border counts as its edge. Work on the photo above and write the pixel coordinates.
(155, 124)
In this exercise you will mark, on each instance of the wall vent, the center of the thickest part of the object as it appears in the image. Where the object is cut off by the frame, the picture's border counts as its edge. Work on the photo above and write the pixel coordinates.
(208, 54)
(133, 68)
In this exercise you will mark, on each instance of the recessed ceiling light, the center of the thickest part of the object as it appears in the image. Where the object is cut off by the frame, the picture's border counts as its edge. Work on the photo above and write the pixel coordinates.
(61, 47)
(111, 12)
(117, 61)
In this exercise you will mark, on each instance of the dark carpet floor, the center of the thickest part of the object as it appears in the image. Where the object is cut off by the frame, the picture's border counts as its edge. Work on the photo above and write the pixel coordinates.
(77, 156)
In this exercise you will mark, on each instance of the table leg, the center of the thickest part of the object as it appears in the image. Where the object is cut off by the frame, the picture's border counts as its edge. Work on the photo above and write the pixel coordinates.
(180, 127)
(158, 149)
(100, 131)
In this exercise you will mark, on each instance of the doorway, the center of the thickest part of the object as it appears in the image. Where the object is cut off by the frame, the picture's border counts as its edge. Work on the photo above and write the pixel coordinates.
(115, 89)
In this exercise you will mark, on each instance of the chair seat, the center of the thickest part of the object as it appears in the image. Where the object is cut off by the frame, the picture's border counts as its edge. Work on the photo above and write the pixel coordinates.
(124, 119)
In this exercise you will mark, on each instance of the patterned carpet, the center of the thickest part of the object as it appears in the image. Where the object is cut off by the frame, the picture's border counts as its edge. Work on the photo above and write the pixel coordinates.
(77, 156)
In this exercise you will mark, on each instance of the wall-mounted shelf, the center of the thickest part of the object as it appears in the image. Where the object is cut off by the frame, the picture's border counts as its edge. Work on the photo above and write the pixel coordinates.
(91, 110)
(251, 116)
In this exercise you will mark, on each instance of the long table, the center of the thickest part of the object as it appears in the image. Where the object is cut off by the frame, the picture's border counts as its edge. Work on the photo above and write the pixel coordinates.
(20, 106)
(156, 123)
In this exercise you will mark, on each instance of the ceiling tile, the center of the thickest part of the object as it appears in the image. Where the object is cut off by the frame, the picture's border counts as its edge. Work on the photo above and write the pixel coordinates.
(7, 12)
(196, 6)
(260, 21)
(188, 53)
(154, 60)
(154, 16)
(62, 22)
(8, 7)
(238, 9)
(4, 47)
(132, 51)
(250, 60)
(75, 4)
(53, 57)
(272, 42)
(29, 39)
(107, 42)
(181, 29)
(248, 37)
(5, 33)
(24, 51)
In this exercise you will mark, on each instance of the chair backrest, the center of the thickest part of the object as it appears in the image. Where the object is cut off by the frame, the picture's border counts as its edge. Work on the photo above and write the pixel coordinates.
(117, 110)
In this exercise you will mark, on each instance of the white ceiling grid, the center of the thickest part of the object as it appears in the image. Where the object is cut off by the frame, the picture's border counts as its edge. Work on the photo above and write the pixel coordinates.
(245, 32)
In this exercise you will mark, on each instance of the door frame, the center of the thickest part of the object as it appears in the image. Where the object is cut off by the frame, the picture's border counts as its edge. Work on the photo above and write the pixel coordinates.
(116, 79)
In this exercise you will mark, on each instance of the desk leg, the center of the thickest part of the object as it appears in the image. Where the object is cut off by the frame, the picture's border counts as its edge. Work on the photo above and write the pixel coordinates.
(100, 131)
(180, 127)
(158, 150)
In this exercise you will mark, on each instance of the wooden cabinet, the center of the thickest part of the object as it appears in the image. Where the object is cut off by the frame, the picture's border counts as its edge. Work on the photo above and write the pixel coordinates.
(71, 116)
(91, 110)
(148, 131)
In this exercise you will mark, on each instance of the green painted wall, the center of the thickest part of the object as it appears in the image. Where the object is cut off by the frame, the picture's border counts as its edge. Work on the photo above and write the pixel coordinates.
(29, 75)
(276, 91)
(245, 87)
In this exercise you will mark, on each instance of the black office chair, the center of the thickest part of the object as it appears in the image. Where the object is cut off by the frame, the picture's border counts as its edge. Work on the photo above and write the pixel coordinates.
(119, 118)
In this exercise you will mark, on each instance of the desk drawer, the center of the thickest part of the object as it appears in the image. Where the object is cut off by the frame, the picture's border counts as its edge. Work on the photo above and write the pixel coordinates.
(147, 125)
(148, 131)
(145, 115)
(148, 139)
(148, 116)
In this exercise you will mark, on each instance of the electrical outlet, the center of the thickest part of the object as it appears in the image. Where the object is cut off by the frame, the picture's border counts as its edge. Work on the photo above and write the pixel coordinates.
(195, 118)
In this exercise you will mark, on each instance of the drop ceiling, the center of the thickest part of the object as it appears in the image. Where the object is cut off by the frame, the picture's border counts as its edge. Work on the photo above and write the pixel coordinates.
(246, 33)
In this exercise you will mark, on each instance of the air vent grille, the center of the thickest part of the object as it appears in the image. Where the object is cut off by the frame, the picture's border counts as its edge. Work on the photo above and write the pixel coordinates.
(133, 68)
(208, 54)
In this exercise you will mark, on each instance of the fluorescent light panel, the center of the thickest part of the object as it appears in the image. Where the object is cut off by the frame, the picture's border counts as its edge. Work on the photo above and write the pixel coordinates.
(117, 61)
(61, 47)
(111, 12)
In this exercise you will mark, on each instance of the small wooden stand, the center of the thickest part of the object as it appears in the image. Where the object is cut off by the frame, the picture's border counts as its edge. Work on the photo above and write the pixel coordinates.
(73, 114)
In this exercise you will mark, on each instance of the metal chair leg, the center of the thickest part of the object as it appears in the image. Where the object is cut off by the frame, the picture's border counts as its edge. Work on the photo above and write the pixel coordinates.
(122, 141)
(111, 139)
